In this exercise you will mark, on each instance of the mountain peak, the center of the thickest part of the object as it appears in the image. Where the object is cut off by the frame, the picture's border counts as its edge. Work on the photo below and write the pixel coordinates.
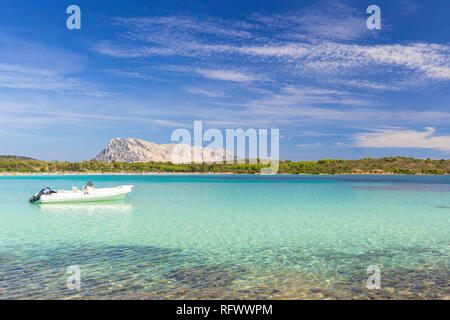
(138, 150)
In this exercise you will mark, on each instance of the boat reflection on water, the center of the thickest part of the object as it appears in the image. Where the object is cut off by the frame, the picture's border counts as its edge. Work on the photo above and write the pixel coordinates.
(111, 207)
(85, 223)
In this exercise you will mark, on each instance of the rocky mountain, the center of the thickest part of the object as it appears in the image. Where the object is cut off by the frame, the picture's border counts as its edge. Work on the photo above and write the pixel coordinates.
(137, 150)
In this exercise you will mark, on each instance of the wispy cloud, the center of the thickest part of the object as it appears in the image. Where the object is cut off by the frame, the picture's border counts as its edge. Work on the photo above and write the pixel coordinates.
(315, 55)
(326, 20)
(205, 92)
(403, 139)
(116, 50)
(129, 74)
(371, 85)
(20, 77)
(300, 96)
(29, 55)
(151, 28)
(42, 117)
(23, 67)
(234, 74)
(311, 133)
(227, 75)
(309, 145)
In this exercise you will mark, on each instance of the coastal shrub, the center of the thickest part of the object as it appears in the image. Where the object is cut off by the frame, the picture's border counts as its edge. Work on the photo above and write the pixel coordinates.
(396, 165)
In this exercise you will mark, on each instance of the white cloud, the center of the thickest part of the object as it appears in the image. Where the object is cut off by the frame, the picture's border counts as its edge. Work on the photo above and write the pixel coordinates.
(227, 75)
(29, 55)
(232, 75)
(111, 49)
(431, 59)
(308, 145)
(132, 74)
(365, 84)
(394, 138)
(301, 97)
(150, 28)
(23, 67)
(34, 115)
(329, 20)
(311, 133)
(313, 41)
(428, 60)
(14, 76)
(21, 77)
(206, 92)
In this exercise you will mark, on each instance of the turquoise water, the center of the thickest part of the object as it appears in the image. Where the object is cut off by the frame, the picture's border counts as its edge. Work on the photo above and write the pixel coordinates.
(229, 236)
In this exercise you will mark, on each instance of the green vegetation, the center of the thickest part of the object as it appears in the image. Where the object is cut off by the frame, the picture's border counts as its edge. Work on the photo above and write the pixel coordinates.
(391, 165)
(14, 158)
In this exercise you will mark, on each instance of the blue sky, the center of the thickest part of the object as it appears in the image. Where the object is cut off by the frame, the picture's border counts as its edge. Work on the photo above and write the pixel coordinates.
(141, 69)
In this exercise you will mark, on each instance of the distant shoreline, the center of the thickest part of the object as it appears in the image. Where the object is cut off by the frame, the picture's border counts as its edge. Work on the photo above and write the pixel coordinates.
(366, 166)
(21, 174)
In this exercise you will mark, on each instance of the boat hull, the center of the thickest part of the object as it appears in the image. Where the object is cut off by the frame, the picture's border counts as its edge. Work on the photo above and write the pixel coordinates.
(105, 194)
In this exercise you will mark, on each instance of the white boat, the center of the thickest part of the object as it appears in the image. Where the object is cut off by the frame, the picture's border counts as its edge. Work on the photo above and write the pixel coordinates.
(88, 194)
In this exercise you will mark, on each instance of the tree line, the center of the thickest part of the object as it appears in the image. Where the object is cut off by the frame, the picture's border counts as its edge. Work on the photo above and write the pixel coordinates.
(389, 165)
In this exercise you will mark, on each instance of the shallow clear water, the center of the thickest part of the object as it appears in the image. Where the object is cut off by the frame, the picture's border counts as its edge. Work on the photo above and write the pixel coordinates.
(230, 236)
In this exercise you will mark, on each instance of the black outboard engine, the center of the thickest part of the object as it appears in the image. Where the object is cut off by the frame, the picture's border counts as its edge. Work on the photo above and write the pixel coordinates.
(38, 195)
(89, 184)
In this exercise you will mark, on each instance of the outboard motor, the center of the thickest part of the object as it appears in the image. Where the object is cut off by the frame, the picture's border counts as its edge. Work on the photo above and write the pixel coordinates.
(38, 195)
(88, 187)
